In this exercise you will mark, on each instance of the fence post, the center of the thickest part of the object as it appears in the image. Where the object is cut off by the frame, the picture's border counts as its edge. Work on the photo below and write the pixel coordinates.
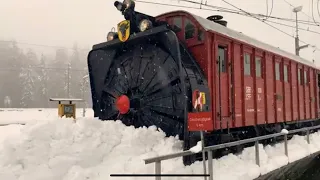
(210, 165)
(286, 145)
(257, 153)
(308, 136)
(158, 170)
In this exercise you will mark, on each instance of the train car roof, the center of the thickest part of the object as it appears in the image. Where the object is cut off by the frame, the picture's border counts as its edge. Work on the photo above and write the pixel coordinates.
(209, 25)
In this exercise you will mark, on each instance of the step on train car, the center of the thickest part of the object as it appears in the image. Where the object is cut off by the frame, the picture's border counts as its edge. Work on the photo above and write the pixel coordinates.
(150, 70)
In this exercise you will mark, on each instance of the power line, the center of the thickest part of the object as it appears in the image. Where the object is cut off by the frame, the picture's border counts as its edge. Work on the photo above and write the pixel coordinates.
(251, 14)
(257, 18)
(190, 7)
(263, 21)
(268, 15)
(312, 11)
(318, 3)
(40, 68)
(248, 14)
(42, 45)
(293, 27)
(225, 10)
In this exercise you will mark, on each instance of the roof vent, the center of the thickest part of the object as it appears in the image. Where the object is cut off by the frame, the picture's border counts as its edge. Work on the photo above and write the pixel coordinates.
(218, 19)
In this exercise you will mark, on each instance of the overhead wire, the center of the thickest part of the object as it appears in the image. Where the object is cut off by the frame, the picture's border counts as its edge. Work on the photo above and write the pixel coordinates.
(263, 21)
(226, 10)
(303, 29)
(312, 9)
(43, 45)
(240, 12)
(318, 3)
(268, 15)
(40, 68)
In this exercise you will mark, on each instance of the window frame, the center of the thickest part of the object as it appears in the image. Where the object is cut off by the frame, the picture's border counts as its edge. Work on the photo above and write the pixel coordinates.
(306, 76)
(300, 76)
(220, 46)
(286, 74)
(261, 66)
(199, 35)
(244, 61)
(194, 27)
(277, 71)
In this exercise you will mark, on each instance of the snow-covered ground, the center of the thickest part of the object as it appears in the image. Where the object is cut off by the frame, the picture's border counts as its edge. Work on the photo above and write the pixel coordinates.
(49, 148)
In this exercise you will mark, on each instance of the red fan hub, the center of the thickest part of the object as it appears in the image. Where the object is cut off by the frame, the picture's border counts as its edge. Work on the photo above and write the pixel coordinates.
(123, 104)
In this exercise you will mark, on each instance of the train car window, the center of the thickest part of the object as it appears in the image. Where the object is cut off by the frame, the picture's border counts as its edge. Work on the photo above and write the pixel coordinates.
(189, 29)
(285, 73)
(222, 58)
(200, 35)
(177, 23)
(300, 77)
(258, 66)
(305, 78)
(247, 64)
(277, 71)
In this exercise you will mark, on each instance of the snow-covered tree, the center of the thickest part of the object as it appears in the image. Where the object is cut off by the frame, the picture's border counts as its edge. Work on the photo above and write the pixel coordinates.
(27, 80)
(67, 84)
(43, 79)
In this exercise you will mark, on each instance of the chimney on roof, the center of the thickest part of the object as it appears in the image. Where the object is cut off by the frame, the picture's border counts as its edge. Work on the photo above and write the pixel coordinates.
(218, 19)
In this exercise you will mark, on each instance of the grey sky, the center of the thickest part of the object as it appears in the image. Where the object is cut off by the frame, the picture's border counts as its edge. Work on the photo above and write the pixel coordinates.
(63, 22)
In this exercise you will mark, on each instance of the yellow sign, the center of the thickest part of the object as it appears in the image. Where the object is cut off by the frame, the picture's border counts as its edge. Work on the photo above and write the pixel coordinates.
(67, 110)
(124, 30)
(203, 97)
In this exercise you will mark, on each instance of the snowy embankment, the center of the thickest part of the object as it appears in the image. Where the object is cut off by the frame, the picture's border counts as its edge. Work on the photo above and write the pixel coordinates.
(91, 149)
(17, 115)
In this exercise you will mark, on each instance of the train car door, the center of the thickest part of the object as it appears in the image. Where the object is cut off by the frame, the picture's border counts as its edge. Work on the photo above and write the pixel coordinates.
(223, 81)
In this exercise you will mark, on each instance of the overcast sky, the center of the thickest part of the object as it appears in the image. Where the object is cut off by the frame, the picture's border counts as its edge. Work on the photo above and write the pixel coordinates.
(63, 22)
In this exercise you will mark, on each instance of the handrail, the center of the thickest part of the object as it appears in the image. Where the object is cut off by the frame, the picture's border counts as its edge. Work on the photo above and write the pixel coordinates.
(209, 149)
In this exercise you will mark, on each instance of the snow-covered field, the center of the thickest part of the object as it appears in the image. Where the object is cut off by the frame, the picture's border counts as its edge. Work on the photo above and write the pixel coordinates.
(49, 148)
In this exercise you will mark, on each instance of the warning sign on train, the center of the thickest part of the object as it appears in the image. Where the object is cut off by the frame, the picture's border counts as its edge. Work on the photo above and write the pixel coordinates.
(198, 100)
(200, 121)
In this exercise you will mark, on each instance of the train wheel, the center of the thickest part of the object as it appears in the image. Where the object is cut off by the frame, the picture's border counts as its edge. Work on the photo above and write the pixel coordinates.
(143, 88)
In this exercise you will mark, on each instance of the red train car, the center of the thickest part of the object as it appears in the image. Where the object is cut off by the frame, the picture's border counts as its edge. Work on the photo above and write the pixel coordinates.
(156, 70)
(256, 83)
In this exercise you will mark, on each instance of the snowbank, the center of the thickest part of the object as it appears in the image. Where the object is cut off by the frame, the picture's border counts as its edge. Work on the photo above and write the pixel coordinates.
(92, 150)
(19, 115)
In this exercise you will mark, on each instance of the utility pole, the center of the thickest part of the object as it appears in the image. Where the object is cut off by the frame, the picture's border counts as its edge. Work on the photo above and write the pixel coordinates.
(68, 80)
(297, 46)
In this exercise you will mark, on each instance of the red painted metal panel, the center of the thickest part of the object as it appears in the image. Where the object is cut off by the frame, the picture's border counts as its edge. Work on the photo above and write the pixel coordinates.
(307, 94)
(248, 99)
(288, 104)
(294, 83)
(223, 81)
(307, 102)
(260, 101)
(300, 93)
(316, 93)
(237, 85)
(312, 95)
(301, 102)
(269, 89)
(210, 54)
(279, 93)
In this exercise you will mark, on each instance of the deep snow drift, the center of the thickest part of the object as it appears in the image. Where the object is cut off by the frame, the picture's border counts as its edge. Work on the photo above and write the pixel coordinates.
(91, 149)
